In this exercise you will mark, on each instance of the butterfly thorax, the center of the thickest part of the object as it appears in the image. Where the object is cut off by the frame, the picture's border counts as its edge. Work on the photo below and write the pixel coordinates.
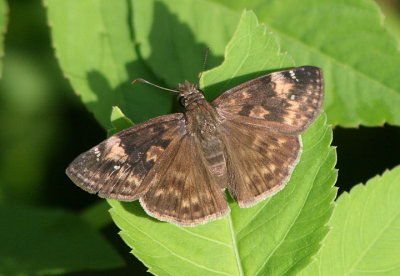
(189, 94)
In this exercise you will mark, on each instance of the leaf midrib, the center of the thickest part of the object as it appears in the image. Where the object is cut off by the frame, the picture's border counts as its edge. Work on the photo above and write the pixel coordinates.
(234, 246)
(169, 250)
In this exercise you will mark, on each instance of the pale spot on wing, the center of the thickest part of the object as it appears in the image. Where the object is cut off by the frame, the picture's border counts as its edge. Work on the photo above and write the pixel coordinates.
(158, 192)
(258, 112)
(293, 75)
(153, 153)
(245, 95)
(195, 200)
(185, 203)
(277, 76)
(264, 170)
(283, 87)
(116, 152)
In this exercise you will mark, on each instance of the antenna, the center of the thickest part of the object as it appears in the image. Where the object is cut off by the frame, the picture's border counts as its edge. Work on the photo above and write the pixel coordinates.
(155, 85)
(204, 66)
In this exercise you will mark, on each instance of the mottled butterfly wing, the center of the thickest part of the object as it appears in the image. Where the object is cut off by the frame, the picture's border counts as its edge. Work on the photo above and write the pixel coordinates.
(286, 101)
(121, 166)
(259, 162)
(183, 191)
(263, 120)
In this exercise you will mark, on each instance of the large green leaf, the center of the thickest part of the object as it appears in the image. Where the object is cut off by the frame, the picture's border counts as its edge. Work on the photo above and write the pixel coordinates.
(345, 38)
(3, 28)
(279, 235)
(173, 36)
(41, 241)
(365, 236)
(95, 45)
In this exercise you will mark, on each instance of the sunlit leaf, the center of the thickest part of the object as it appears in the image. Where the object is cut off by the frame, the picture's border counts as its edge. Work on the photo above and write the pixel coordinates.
(277, 236)
(365, 236)
(347, 39)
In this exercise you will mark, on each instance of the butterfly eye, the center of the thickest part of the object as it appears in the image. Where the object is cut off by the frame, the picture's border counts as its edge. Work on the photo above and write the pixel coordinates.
(182, 101)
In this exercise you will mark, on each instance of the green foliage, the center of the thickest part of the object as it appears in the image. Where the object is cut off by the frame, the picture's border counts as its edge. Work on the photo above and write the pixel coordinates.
(23, 105)
(96, 50)
(345, 38)
(101, 56)
(365, 236)
(174, 34)
(43, 241)
(3, 27)
(264, 239)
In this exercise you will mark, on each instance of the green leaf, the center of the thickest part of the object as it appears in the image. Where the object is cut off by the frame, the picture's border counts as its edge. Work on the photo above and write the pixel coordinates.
(118, 121)
(391, 12)
(365, 237)
(96, 215)
(277, 236)
(360, 58)
(95, 45)
(250, 54)
(174, 35)
(23, 105)
(42, 241)
(346, 38)
(3, 29)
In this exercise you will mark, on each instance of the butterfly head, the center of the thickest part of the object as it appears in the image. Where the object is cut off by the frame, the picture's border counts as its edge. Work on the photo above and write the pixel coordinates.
(189, 93)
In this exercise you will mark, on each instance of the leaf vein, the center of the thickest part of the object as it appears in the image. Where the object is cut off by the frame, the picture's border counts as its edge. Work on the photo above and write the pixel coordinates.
(172, 252)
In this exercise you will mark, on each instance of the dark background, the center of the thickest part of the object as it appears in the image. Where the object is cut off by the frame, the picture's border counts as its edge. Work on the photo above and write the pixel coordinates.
(44, 126)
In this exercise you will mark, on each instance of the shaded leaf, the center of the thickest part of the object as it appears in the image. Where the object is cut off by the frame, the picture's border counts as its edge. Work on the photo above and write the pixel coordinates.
(41, 241)
(95, 45)
(23, 106)
(174, 35)
(365, 237)
(97, 215)
(3, 28)
(279, 235)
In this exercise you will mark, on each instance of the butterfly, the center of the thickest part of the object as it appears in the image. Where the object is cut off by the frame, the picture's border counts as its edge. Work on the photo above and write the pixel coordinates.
(178, 165)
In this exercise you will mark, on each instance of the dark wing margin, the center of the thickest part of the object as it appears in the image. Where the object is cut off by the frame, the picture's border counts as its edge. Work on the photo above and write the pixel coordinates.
(259, 162)
(183, 191)
(117, 167)
(286, 101)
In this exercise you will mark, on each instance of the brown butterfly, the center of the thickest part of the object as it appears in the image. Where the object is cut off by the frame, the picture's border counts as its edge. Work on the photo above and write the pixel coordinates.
(247, 140)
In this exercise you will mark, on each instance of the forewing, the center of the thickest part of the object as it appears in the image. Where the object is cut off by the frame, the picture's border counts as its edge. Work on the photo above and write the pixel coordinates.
(117, 167)
(259, 162)
(183, 191)
(287, 101)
